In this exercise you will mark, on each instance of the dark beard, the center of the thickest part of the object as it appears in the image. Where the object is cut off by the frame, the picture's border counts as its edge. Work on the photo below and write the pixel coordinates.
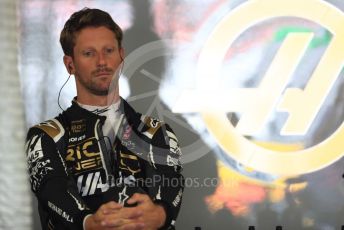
(92, 88)
(105, 92)
(98, 92)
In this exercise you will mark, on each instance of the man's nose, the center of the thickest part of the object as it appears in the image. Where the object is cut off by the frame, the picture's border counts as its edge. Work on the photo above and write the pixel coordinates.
(101, 59)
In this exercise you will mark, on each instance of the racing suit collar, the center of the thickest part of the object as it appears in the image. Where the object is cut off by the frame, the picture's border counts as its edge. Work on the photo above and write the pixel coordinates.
(133, 117)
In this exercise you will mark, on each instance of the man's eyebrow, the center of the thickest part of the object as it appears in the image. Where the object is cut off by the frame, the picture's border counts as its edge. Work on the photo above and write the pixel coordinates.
(88, 48)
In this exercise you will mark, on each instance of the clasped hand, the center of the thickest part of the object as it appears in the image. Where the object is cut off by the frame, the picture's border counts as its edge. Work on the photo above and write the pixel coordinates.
(146, 215)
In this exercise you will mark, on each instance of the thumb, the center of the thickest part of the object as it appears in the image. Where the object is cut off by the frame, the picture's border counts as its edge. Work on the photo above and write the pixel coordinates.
(136, 198)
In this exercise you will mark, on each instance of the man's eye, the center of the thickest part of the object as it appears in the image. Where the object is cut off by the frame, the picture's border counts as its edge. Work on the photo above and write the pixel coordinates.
(109, 50)
(88, 53)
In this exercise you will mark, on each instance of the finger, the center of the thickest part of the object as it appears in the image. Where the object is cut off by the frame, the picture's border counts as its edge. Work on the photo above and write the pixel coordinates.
(113, 205)
(137, 198)
(106, 209)
(121, 218)
(123, 223)
(131, 213)
(113, 223)
(110, 207)
(134, 226)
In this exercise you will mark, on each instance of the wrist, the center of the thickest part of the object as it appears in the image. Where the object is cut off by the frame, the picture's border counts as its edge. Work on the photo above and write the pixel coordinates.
(161, 215)
(168, 210)
(88, 222)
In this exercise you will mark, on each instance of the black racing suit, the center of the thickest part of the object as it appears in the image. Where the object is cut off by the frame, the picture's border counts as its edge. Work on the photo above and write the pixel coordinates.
(74, 168)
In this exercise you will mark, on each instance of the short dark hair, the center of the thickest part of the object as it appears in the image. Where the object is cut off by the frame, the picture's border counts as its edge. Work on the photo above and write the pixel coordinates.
(86, 18)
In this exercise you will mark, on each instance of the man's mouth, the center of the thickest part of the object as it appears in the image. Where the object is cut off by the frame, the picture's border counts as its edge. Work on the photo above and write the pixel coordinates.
(99, 74)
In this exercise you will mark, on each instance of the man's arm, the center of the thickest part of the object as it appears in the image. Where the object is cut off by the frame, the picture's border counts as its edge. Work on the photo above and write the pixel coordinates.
(56, 193)
(164, 168)
(59, 200)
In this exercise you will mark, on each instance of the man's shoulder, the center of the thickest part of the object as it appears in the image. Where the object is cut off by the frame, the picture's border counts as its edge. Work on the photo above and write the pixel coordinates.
(157, 129)
(149, 126)
(152, 125)
(145, 124)
(52, 127)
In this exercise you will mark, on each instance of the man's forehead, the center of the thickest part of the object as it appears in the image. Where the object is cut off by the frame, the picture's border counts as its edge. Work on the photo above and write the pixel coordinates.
(95, 31)
(95, 34)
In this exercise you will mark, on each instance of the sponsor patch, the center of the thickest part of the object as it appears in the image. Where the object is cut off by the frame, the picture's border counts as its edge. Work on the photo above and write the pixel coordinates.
(38, 165)
(85, 155)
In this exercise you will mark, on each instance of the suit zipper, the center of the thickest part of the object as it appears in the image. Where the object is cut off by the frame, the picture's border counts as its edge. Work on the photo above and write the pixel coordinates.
(105, 153)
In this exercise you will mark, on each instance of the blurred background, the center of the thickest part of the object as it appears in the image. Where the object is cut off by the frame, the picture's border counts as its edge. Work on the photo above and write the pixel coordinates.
(162, 41)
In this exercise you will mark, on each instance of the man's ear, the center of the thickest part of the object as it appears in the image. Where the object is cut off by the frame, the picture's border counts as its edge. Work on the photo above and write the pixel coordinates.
(121, 53)
(69, 64)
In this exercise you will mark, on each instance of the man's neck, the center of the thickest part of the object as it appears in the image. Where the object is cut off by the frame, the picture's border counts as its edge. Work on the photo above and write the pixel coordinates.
(96, 100)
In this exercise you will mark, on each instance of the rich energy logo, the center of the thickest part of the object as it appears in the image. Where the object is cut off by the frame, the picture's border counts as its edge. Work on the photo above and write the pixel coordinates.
(255, 104)
(84, 155)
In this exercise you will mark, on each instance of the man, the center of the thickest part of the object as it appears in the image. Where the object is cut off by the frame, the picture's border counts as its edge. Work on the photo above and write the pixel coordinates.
(100, 164)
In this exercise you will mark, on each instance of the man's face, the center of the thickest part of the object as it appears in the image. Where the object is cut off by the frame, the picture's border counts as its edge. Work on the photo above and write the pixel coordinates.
(96, 59)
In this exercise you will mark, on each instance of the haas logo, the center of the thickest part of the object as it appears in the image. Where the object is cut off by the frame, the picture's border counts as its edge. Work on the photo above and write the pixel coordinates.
(255, 104)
